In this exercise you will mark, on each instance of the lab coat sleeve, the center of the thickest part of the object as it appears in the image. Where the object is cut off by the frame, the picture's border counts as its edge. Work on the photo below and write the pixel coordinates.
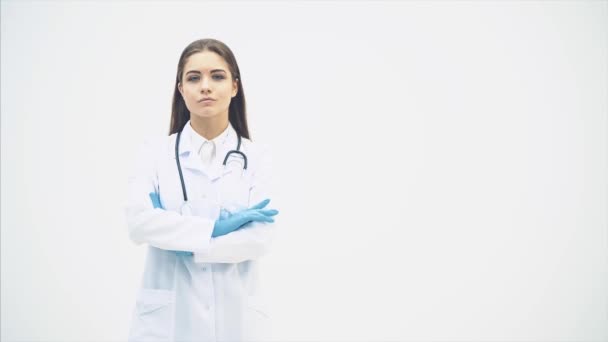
(253, 240)
(158, 227)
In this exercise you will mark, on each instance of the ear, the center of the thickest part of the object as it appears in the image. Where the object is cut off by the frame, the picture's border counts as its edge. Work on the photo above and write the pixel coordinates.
(179, 87)
(235, 87)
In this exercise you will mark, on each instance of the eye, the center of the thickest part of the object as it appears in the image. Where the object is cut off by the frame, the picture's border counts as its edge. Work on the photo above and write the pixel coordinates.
(218, 77)
(192, 78)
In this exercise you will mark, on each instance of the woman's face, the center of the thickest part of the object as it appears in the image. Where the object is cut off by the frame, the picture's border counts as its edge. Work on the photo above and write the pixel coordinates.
(206, 75)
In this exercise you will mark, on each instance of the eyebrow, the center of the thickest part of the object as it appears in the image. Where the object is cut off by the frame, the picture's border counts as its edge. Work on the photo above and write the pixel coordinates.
(198, 72)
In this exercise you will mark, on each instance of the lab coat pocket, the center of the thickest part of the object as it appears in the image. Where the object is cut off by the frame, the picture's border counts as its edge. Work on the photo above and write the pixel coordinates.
(258, 324)
(153, 319)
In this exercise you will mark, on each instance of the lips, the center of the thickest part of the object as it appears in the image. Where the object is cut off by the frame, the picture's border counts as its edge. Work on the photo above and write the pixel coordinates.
(206, 100)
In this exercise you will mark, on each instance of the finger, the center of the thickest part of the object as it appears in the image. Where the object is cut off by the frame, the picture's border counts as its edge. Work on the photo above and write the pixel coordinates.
(155, 200)
(269, 212)
(243, 217)
(259, 217)
(263, 218)
(261, 205)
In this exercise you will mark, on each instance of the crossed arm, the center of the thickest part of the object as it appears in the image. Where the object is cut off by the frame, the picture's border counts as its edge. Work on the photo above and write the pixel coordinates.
(245, 235)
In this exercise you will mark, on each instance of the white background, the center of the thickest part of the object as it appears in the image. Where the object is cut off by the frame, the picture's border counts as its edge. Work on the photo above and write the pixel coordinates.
(442, 165)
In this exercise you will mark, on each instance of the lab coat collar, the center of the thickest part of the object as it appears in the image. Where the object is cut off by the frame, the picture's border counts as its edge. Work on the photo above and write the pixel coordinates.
(188, 150)
(198, 140)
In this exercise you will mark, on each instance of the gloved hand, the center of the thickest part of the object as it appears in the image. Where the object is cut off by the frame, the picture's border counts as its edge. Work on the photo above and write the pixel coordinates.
(230, 222)
(155, 200)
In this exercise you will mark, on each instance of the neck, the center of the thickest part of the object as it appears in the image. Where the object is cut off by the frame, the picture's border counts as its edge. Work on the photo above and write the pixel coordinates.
(209, 127)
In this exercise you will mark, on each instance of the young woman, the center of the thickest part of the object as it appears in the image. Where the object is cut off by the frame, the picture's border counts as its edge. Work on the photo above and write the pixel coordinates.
(198, 198)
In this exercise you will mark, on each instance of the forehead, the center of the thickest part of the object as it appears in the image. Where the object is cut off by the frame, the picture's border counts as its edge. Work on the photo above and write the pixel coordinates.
(205, 62)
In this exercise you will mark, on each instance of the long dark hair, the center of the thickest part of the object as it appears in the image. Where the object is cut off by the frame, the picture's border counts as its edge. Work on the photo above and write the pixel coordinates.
(237, 113)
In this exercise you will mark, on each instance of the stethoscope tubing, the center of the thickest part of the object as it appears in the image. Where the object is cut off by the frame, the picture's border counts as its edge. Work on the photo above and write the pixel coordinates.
(179, 166)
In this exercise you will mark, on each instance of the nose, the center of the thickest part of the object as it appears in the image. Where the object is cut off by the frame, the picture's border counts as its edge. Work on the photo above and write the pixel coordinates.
(205, 84)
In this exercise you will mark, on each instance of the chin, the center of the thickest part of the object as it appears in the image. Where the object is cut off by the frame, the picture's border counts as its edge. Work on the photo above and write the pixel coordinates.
(204, 115)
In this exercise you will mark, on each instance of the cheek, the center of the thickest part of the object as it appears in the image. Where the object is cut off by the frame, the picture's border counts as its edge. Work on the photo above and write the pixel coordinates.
(188, 95)
(227, 94)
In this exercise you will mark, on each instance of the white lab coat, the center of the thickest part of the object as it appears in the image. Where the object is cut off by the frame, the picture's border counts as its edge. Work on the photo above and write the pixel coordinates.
(195, 287)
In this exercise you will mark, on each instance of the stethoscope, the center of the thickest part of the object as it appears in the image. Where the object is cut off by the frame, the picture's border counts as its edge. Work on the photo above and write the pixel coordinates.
(179, 167)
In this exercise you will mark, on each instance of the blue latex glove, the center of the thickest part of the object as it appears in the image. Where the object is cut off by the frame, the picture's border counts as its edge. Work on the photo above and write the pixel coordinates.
(230, 222)
(155, 200)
